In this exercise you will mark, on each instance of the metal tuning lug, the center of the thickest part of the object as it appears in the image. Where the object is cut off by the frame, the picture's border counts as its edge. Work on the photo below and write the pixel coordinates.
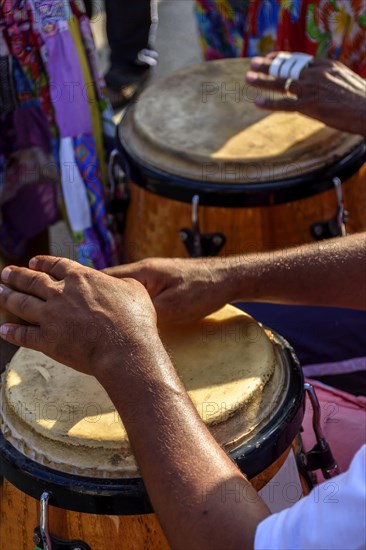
(41, 535)
(320, 457)
(118, 195)
(336, 226)
(200, 244)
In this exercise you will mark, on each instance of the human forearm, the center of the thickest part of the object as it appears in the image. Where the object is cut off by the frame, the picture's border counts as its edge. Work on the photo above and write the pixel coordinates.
(328, 273)
(192, 484)
(114, 324)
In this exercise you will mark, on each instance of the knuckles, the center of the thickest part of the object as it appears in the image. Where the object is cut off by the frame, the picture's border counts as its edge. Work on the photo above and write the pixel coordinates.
(145, 265)
(24, 304)
(54, 291)
(32, 281)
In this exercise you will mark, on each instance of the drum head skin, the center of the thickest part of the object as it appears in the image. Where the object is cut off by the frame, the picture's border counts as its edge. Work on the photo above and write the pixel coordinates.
(201, 123)
(59, 425)
(65, 419)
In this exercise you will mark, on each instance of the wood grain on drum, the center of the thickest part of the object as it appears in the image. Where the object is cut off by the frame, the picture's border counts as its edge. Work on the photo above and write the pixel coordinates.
(19, 515)
(200, 127)
(154, 222)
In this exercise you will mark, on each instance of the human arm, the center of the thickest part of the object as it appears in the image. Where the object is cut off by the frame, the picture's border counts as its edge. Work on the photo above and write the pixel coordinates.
(182, 289)
(202, 500)
(326, 90)
(326, 273)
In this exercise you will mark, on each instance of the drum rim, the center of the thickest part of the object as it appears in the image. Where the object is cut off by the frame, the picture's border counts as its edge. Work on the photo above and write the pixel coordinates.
(275, 438)
(128, 496)
(248, 194)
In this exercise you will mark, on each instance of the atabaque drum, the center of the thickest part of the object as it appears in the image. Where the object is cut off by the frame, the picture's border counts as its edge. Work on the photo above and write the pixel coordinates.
(261, 180)
(63, 443)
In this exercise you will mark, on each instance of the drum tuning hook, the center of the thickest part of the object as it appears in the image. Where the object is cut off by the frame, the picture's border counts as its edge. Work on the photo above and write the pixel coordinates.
(320, 456)
(200, 244)
(195, 220)
(45, 537)
(113, 177)
(197, 245)
(118, 196)
(342, 215)
(42, 537)
(336, 226)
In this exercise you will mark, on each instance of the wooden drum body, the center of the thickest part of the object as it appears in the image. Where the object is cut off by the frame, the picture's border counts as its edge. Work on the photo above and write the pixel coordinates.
(96, 493)
(20, 513)
(264, 180)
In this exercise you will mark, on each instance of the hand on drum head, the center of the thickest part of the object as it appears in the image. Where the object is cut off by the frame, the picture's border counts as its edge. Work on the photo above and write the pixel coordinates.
(76, 315)
(326, 90)
(181, 289)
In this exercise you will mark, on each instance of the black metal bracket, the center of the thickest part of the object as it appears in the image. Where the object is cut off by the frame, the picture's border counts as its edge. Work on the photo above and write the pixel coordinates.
(328, 229)
(118, 195)
(336, 226)
(59, 544)
(200, 244)
(321, 458)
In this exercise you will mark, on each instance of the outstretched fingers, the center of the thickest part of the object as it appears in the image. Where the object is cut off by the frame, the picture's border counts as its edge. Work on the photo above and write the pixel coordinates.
(25, 291)
(58, 268)
(22, 305)
(266, 82)
(26, 280)
(22, 336)
(285, 93)
(263, 63)
(282, 104)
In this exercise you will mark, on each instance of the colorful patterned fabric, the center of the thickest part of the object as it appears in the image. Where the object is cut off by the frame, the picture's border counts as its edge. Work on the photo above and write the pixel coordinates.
(88, 166)
(104, 106)
(89, 95)
(261, 27)
(43, 45)
(221, 27)
(25, 45)
(334, 29)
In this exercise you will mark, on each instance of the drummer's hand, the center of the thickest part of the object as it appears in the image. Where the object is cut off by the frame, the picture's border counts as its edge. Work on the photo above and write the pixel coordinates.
(76, 315)
(327, 91)
(181, 289)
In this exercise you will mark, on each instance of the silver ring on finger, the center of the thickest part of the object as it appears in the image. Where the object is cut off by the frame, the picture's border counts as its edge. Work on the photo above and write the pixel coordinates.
(287, 87)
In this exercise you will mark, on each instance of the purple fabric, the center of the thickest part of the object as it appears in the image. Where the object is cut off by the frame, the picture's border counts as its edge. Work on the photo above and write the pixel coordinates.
(34, 129)
(11, 245)
(24, 128)
(33, 209)
(68, 91)
(27, 167)
(7, 134)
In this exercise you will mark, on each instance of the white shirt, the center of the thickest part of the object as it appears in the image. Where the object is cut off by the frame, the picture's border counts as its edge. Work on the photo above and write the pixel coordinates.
(332, 516)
